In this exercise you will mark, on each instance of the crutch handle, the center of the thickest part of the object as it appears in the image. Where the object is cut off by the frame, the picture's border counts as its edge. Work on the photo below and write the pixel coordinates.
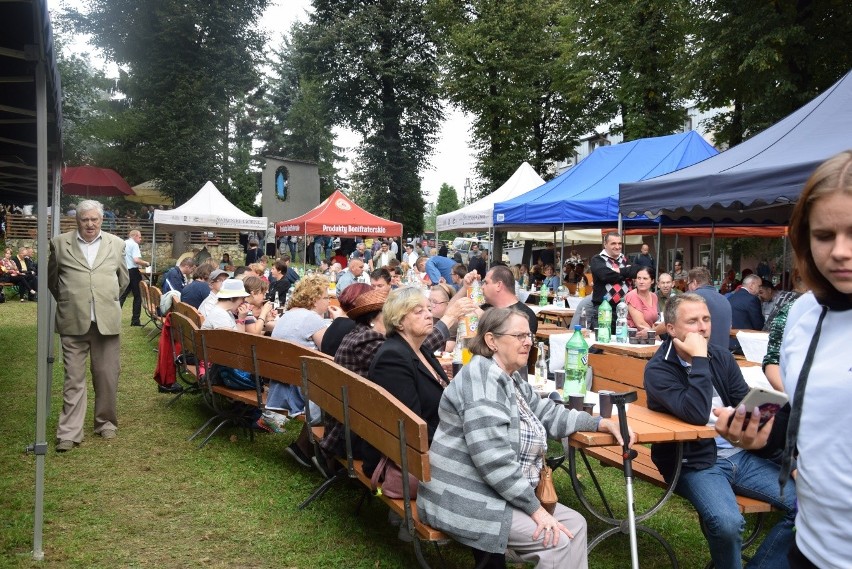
(620, 400)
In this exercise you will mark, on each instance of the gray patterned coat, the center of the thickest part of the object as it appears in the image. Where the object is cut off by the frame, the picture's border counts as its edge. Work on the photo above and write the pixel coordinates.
(476, 475)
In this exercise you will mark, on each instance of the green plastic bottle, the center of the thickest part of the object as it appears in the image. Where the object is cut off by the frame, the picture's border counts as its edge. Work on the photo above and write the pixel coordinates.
(604, 322)
(542, 295)
(576, 362)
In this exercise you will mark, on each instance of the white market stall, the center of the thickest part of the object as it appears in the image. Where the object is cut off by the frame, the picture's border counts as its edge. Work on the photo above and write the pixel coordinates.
(208, 209)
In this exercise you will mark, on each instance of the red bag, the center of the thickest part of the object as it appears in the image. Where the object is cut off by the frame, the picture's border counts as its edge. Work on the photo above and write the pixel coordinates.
(387, 480)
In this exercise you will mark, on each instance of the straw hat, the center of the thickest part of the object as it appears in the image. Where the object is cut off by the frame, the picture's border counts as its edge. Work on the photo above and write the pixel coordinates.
(232, 288)
(368, 302)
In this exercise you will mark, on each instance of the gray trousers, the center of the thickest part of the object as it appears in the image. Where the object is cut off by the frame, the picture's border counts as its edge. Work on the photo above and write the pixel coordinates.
(568, 553)
(104, 354)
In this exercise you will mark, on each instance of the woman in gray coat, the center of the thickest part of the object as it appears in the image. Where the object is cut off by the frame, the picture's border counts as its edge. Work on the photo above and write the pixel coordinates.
(486, 455)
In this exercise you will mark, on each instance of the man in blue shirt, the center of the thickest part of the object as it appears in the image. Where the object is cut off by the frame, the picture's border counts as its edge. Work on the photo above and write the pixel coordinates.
(720, 310)
(175, 278)
(746, 313)
(439, 266)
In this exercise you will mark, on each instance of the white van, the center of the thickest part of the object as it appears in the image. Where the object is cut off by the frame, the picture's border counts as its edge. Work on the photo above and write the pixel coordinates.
(462, 246)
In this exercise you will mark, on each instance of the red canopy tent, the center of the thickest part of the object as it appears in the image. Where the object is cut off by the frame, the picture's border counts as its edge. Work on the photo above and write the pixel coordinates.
(338, 215)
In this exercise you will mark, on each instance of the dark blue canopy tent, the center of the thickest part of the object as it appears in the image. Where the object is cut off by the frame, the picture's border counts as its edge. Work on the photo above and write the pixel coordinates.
(758, 180)
(587, 194)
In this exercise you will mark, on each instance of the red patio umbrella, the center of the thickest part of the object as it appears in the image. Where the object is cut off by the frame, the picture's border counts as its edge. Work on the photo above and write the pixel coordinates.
(94, 181)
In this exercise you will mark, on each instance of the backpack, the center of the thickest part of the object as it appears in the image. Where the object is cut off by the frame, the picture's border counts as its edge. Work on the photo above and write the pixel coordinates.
(232, 378)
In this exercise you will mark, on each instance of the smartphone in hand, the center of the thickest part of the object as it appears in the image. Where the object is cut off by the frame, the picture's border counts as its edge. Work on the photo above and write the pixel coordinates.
(768, 401)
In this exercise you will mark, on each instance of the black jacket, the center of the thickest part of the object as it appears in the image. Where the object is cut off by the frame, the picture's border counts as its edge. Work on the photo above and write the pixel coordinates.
(689, 397)
(398, 369)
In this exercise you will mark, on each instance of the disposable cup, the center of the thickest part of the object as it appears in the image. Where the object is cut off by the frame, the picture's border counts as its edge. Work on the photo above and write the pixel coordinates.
(576, 400)
(559, 378)
(605, 404)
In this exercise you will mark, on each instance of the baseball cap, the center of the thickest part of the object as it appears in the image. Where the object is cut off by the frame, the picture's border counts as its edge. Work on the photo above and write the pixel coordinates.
(216, 274)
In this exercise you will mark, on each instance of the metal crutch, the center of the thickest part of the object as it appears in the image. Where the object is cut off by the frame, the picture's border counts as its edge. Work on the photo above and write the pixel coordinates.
(619, 400)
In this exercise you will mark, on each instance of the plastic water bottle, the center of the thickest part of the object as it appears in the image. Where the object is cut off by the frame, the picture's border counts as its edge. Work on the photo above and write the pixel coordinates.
(540, 366)
(561, 293)
(621, 323)
(604, 322)
(576, 362)
(475, 293)
(542, 295)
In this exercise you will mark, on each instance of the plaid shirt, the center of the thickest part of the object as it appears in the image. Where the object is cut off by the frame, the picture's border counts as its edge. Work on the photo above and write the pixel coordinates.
(357, 349)
(533, 442)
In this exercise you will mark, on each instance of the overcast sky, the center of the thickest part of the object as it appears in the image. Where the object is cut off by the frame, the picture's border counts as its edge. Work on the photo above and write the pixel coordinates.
(452, 160)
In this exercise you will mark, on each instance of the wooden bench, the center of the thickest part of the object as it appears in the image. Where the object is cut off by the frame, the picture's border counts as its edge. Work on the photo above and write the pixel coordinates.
(624, 373)
(378, 417)
(151, 297)
(10, 290)
(186, 350)
(266, 358)
(189, 311)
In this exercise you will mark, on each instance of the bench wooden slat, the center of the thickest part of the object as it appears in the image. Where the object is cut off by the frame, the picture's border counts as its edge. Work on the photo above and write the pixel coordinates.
(370, 415)
(247, 396)
(424, 531)
(644, 468)
(374, 415)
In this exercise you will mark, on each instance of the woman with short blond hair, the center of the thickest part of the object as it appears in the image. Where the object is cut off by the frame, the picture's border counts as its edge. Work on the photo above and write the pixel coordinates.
(302, 323)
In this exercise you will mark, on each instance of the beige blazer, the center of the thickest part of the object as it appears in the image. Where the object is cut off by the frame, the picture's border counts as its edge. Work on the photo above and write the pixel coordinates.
(76, 286)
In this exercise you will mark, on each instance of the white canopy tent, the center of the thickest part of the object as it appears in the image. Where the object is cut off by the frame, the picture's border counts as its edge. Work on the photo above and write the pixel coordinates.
(207, 209)
(479, 215)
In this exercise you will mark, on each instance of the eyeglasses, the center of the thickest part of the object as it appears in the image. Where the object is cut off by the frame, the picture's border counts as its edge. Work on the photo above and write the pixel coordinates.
(519, 337)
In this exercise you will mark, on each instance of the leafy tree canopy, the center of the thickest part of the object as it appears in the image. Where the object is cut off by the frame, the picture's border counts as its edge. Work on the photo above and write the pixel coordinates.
(377, 62)
(187, 69)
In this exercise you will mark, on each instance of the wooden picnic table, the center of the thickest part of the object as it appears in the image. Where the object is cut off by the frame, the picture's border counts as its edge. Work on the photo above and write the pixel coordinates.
(547, 329)
(643, 351)
(735, 330)
(562, 316)
(650, 427)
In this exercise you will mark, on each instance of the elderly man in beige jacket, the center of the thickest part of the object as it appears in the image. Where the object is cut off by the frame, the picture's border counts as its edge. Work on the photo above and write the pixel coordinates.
(86, 274)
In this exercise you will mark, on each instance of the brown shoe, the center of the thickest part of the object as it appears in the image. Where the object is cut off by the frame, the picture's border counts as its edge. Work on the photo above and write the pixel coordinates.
(65, 445)
(108, 433)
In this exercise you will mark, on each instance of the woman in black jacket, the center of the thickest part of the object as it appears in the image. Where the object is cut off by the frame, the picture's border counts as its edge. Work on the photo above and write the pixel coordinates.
(403, 365)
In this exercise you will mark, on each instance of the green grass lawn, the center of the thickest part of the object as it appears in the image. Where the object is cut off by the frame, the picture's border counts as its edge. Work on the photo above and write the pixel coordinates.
(150, 499)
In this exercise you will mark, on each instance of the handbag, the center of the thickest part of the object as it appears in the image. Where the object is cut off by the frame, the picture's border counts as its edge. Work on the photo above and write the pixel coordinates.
(546, 491)
(387, 480)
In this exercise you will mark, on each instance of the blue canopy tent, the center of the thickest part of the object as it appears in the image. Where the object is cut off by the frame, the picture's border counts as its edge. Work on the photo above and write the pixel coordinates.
(759, 180)
(587, 194)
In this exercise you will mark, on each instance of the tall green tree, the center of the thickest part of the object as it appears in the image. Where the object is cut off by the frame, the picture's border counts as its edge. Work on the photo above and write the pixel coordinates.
(448, 201)
(762, 60)
(636, 51)
(95, 121)
(377, 61)
(508, 64)
(295, 121)
(189, 69)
